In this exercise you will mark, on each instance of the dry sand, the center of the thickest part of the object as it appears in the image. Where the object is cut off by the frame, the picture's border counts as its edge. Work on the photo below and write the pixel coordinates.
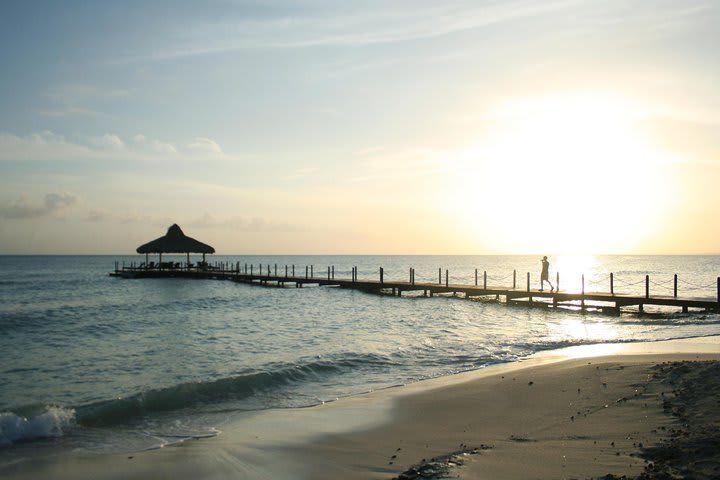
(633, 412)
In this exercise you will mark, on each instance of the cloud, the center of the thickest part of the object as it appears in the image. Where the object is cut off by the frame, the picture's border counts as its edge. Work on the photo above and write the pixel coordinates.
(43, 145)
(255, 224)
(301, 173)
(106, 216)
(109, 140)
(52, 203)
(205, 145)
(348, 25)
(47, 145)
(155, 146)
(77, 99)
(381, 162)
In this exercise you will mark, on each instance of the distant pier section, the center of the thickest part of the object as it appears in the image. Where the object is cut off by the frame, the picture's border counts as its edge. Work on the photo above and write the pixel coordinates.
(519, 292)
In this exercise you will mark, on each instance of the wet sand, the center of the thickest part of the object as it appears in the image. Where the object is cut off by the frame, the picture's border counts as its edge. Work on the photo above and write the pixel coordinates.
(631, 410)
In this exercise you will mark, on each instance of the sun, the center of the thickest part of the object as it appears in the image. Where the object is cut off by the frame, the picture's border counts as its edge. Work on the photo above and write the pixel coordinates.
(564, 174)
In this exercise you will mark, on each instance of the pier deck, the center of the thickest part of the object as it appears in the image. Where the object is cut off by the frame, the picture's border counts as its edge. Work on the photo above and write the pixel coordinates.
(605, 301)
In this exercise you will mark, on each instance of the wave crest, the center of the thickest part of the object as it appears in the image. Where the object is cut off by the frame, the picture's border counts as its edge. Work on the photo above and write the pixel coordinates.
(50, 423)
(230, 389)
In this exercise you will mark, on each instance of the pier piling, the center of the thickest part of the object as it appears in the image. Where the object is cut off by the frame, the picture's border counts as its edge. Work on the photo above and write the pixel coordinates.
(612, 301)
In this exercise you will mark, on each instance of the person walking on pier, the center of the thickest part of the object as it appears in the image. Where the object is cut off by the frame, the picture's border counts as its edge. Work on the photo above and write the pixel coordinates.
(544, 275)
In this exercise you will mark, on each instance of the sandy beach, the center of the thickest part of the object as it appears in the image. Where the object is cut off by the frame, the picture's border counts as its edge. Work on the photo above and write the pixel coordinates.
(604, 412)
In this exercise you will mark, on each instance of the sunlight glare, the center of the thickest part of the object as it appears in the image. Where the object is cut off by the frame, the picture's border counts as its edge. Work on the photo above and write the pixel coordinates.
(564, 174)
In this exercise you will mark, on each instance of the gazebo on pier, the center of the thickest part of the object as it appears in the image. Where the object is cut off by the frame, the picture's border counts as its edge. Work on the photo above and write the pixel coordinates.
(175, 241)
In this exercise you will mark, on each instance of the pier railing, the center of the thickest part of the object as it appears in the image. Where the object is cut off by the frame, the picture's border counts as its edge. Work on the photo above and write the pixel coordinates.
(514, 287)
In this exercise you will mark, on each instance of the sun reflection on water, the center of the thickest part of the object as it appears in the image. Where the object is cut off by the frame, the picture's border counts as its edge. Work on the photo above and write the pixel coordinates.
(572, 268)
(578, 329)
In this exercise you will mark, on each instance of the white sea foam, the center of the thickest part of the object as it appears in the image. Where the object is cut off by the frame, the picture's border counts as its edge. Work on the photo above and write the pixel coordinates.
(50, 423)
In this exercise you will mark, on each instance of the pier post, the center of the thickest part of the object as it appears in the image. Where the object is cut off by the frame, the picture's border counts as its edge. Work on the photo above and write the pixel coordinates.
(260, 269)
(312, 275)
(514, 279)
(328, 273)
(582, 299)
(476, 277)
(718, 290)
(647, 286)
(447, 276)
(276, 269)
(306, 271)
(286, 271)
(484, 279)
(268, 270)
(439, 276)
(333, 272)
(675, 286)
(557, 281)
(612, 284)
(528, 281)
(410, 275)
(382, 280)
(246, 269)
(293, 269)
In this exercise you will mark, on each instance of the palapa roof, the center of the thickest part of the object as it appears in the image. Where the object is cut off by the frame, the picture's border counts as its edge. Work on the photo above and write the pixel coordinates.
(175, 241)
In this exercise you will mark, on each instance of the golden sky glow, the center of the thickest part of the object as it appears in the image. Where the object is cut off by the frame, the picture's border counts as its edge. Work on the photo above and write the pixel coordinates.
(423, 127)
(570, 173)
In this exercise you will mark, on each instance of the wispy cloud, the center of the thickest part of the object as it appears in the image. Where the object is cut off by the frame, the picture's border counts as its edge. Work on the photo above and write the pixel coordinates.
(24, 208)
(205, 145)
(79, 99)
(352, 26)
(47, 145)
(381, 163)
(254, 224)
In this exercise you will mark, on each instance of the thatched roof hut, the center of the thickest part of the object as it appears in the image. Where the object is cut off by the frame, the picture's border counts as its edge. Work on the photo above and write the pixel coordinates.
(175, 241)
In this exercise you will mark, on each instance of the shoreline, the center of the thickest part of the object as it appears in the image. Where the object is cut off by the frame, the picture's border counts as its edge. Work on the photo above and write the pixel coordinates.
(557, 410)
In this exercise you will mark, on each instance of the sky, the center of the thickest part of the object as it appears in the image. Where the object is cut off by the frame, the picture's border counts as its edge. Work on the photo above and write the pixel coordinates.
(363, 127)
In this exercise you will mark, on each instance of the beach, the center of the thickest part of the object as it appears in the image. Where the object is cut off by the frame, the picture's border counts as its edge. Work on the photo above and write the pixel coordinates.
(585, 412)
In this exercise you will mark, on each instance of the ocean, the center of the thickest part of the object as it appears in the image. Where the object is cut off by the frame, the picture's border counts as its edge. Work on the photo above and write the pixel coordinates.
(103, 364)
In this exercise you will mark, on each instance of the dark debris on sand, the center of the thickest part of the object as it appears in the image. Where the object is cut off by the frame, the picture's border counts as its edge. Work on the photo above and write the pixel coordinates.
(439, 467)
(691, 392)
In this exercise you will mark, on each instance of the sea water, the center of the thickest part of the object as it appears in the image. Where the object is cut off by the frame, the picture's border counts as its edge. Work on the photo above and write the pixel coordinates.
(105, 364)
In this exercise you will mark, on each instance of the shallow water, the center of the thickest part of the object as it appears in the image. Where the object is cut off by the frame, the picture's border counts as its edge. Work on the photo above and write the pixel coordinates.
(109, 364)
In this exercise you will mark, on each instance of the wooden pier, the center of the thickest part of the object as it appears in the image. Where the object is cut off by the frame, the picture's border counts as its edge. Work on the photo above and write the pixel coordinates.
(603, 301)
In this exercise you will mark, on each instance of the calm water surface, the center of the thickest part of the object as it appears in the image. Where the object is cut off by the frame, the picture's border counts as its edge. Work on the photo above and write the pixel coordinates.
(107, 364)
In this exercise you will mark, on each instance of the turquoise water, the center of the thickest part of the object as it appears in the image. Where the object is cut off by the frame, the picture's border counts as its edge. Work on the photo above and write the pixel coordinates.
(108, 364)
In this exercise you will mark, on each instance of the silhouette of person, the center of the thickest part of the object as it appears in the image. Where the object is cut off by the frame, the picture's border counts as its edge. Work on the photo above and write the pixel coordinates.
(544, 275)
